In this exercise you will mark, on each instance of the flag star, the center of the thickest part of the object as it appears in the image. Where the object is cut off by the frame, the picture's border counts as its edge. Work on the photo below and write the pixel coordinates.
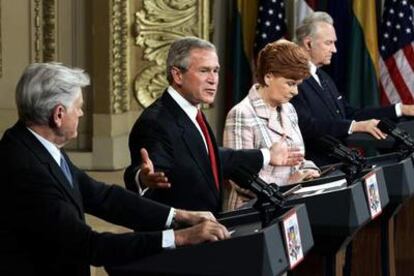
(277, 27)
(408, 31)
(388, 23)
(267, 23)
(270, 11)
(259, 20)
(260, 8)
(401, 15)
(280, 15)
(404, 2)
(382, 48)
(386, 35)
(264, 35)
(282, 4)
(395, 39)
(410, 18)
(391, 11)
(398, 26)
(273, 1)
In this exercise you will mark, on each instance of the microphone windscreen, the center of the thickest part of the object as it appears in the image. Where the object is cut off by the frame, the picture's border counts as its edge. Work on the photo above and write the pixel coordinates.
(386, 125)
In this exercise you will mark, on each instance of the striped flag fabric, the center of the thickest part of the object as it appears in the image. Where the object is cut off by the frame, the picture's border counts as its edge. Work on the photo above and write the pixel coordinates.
(397, 53)
(362, 74)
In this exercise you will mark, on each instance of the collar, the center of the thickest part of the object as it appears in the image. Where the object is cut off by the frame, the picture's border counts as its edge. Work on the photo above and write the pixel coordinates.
(49, 146)
(189, 109)
(312, 69)
(262, 109)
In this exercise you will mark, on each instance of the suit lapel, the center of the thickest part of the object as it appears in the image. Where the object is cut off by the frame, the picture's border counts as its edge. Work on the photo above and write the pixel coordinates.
(322, 95)
(194, 142)
(44, 157)
(264, 112)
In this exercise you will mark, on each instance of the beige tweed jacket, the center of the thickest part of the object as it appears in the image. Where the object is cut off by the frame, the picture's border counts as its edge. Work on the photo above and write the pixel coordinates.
(252, 124)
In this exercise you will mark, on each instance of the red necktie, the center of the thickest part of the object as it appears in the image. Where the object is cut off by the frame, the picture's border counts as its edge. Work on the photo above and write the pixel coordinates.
(211, 153)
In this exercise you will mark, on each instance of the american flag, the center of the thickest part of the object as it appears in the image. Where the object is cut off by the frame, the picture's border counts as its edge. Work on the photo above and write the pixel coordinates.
(271, 24)
(397, 52)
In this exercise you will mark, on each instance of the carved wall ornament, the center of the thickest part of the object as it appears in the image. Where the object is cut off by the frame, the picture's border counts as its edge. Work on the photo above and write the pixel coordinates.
(44, 33)
(1, 46)
(49, 30)
(158, 24)
(37, 31)
(119, 65)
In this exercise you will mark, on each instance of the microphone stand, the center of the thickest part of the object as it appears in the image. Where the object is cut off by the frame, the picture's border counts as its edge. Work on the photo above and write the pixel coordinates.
(269, 198)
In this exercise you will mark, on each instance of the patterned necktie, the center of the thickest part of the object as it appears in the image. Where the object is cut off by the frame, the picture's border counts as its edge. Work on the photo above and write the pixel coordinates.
(213, 161)
(65, 169)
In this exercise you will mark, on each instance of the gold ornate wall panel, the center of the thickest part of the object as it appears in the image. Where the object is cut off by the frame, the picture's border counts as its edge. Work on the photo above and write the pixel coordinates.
(1, 57)
(44, 37)
(119, 65)
(37, 33)
(157, 25)
(49, 30)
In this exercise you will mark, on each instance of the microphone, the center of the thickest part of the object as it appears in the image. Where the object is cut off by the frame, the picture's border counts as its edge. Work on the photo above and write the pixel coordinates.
(400, 135)
(335, 148)
(353, 162)
(265, 192)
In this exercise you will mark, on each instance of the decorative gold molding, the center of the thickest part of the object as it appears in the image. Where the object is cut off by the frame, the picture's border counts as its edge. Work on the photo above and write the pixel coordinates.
(44, 38)
(37, 31)
(1, 46)
(49, 30)
(119, 65)
(158, 24)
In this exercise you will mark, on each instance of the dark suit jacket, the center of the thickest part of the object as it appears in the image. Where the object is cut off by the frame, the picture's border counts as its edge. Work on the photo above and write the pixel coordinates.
(176, 147)
(319, 115)
(42, 224)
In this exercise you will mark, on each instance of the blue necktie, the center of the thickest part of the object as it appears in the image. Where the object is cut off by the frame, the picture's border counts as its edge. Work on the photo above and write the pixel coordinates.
(66, 171)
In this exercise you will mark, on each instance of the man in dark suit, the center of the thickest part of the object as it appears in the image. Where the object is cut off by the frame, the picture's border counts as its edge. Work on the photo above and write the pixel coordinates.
(180, 141)
(321, 108)
(44, 196)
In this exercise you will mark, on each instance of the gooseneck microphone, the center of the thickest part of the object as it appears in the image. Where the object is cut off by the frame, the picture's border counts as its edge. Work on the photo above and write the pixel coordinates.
(268, 193)
(353, 162)
(336, 149)
(403, 139)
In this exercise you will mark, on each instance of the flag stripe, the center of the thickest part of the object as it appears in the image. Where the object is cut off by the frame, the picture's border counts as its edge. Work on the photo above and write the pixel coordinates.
(388, 88)
(384, 96)
(405, 68)
(398, 80)
(409, 54)
(365, 12)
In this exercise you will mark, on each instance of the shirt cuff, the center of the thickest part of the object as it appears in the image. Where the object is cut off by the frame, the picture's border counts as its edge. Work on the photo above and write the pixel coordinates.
(170, 218)
(140, 190)
(168, 239)
(266, 157)
(350, 127)
(398, 109)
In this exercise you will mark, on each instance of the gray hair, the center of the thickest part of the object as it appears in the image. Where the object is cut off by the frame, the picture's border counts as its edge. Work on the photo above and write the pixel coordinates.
(309, 25)
(180, 51)
(45, 85)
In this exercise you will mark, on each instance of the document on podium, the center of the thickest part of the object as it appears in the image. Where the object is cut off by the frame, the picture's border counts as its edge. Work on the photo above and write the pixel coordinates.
(322, 188)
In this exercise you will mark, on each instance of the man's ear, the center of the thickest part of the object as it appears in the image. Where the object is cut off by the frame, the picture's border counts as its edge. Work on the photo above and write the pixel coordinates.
(177, 75)
(57, 115)
(307, 42)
